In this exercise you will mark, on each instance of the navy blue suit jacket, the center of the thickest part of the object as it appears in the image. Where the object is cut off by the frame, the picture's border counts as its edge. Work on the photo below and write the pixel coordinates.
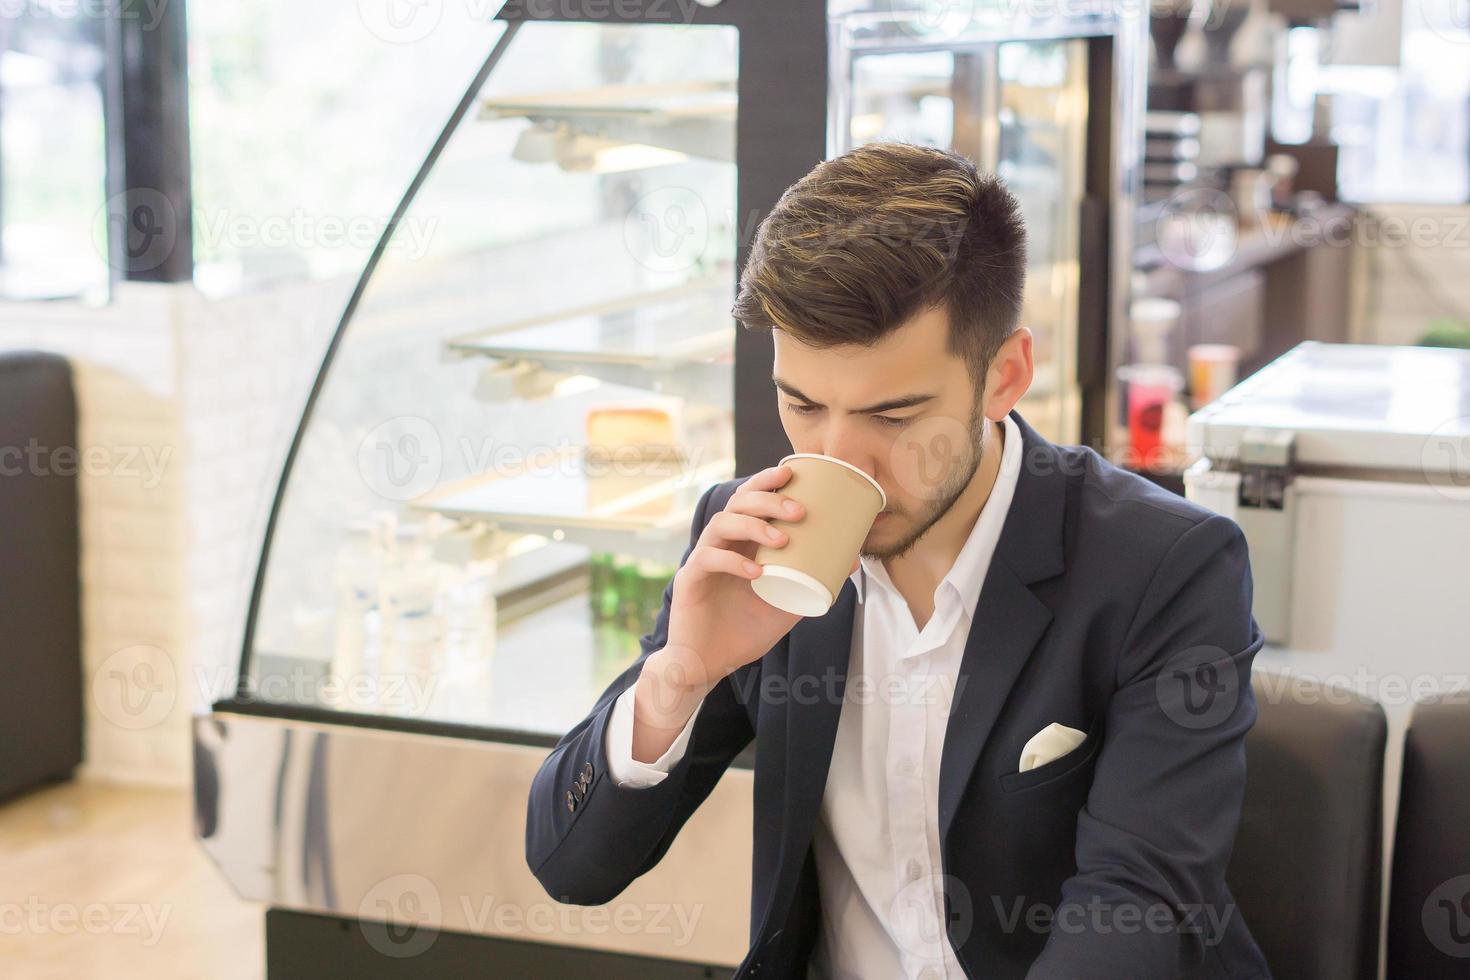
(1111, 606)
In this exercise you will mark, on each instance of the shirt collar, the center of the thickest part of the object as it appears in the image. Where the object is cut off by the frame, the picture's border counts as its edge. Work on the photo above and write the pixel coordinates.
(973, 562)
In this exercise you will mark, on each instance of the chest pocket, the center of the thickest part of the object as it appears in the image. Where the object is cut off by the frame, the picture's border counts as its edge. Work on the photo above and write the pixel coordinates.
(1063, 769)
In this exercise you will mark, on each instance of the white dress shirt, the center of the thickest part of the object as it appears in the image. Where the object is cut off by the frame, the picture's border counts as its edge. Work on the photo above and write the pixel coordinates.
(876, 841)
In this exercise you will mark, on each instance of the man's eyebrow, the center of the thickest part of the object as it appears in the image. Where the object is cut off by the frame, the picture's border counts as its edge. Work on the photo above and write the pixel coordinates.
(893, 403)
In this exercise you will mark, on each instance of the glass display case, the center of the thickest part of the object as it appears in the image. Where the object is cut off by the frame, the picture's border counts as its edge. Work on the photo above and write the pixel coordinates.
(502, 459)
(493, 480)
(532, 385)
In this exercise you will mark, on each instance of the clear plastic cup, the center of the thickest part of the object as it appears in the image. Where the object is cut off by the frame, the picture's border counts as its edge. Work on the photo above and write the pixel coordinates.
(1149, 390)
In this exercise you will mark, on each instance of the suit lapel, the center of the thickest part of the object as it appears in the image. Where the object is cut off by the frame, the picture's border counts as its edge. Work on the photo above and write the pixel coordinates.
(816, 679)
(1009, 619)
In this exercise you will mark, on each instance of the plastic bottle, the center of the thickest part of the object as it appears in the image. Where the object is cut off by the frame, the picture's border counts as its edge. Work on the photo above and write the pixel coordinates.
(469, 613)
(358, 641)
(413, 651)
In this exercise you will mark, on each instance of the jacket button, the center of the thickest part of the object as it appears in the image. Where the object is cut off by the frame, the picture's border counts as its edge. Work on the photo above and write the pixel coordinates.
(587, 773)
(580, 790)
(571, 802)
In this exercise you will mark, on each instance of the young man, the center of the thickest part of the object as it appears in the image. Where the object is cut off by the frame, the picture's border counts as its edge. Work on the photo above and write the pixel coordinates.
(1043, 775)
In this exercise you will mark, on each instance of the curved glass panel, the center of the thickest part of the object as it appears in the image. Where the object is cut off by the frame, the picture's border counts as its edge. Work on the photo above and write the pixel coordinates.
(497, 477)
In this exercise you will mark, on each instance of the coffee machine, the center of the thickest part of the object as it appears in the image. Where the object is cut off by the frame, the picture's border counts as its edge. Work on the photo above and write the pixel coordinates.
(1229, 102)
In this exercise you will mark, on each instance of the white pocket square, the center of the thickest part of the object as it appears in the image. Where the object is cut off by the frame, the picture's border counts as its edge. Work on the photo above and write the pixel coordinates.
(1052, 742)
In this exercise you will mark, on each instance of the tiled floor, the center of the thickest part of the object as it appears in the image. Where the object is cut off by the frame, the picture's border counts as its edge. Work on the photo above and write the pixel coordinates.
(103, 882)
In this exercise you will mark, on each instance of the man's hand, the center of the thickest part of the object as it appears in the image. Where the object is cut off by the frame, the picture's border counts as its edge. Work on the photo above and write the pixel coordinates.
(717, 623)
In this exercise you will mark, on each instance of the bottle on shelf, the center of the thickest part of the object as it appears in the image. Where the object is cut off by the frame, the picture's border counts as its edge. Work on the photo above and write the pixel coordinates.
(653, 579)
(626, 592)
(602, 593)
(358, 642)
(413, 650)
(469, 616)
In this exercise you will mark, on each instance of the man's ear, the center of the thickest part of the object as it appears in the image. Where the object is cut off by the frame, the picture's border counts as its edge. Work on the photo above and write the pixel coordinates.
(1009, 375)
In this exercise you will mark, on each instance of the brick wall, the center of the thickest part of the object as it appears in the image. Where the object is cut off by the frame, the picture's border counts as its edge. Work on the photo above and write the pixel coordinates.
(186, 406)
(1414, 268)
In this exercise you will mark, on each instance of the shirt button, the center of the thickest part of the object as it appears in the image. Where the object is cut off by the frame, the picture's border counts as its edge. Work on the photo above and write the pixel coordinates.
(907, 767)
(929, 973)
(915, 870)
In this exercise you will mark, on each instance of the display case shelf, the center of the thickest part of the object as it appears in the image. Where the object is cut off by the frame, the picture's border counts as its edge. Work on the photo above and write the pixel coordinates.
(688, 119)
(671, 329)
(645, 513)
(548, 667)
(677, 341)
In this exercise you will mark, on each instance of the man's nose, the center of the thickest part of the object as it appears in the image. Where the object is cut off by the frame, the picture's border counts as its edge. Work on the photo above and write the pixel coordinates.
(845, 442)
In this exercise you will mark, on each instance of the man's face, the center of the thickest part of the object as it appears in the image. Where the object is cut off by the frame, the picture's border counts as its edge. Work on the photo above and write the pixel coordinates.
(847, 402)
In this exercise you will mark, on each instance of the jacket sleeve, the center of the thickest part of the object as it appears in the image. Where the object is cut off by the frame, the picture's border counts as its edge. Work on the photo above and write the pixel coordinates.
(585, 850)
(1148, 900)
(621, 766)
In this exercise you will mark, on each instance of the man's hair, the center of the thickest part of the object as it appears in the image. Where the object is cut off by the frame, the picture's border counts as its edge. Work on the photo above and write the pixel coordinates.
(874, 237)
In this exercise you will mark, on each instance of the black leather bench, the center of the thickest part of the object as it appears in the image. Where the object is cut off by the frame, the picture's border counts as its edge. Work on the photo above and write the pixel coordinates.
(1307, 868)
(1429, 899)
(40, 591)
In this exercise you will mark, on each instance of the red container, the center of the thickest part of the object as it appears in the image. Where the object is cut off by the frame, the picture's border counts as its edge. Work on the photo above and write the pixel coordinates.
(1150, 389)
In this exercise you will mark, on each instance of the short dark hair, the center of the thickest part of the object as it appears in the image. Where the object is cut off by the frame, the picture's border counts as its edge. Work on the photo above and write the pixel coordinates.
(880, 234)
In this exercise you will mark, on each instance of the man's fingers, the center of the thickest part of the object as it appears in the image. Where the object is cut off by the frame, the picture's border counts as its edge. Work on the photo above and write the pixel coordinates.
(727, 528)
(767, 479)
(710, 560)
(767, 504)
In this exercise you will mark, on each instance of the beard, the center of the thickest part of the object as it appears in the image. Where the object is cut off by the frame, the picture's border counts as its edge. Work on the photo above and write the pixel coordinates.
(944, 498)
